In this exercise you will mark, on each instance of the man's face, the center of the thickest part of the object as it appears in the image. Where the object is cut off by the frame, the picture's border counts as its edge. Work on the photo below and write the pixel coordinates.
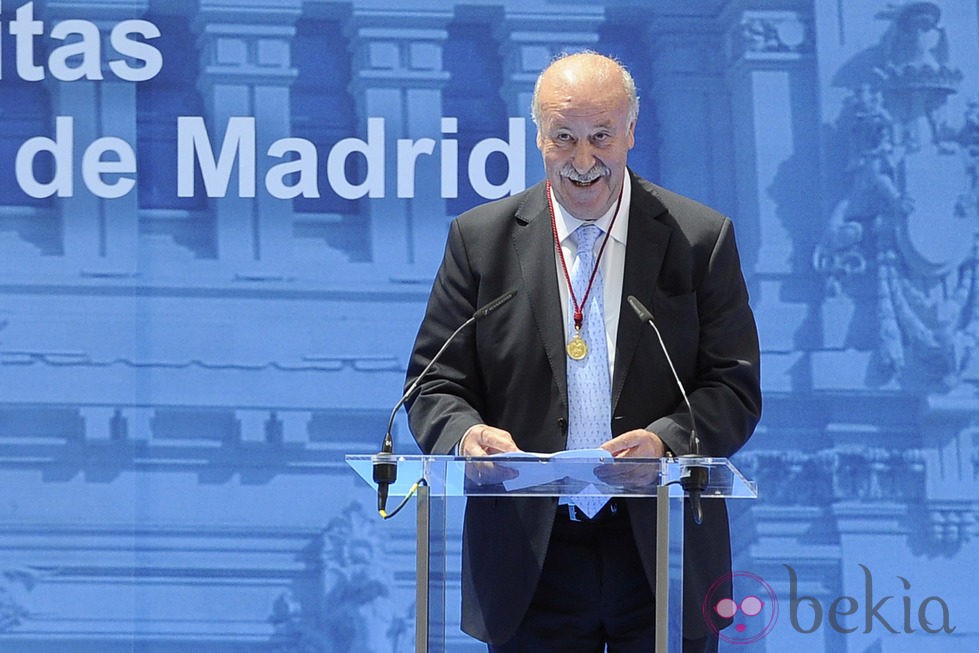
(584, 136)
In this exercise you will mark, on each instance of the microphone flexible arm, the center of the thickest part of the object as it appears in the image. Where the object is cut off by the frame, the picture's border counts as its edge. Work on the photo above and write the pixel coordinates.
(385, 467)
(695, 479)
(388, 445)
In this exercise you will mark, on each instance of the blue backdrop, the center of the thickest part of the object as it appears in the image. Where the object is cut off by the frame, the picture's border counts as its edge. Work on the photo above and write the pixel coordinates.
(219, 221)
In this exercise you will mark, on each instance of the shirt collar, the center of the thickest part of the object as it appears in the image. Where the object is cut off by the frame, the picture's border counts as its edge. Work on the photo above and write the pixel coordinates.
(566, 223)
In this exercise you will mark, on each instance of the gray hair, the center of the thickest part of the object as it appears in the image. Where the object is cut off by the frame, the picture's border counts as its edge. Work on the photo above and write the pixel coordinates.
(628, 84)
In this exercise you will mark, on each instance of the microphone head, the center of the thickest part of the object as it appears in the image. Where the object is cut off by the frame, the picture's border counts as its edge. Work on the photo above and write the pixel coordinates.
(640, 310)
(495, 304)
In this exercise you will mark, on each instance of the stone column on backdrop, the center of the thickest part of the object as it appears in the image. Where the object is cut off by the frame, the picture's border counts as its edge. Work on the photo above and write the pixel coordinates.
(397, 85)
(99, 234)
(770, 73)
(246, 71)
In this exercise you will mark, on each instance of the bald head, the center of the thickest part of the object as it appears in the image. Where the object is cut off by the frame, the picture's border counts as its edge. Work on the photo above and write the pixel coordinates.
(570, 73)
(585, 108)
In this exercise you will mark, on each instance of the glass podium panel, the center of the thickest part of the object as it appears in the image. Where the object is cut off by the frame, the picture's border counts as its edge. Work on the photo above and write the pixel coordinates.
(580, 472)
(554, 475)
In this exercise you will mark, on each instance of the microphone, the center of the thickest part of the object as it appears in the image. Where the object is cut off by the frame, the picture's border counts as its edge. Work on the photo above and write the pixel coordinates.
(385, 467)
(695, 480)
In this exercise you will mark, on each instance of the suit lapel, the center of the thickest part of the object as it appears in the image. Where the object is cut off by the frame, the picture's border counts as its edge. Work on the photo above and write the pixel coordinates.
(645, 251)
(534, 242)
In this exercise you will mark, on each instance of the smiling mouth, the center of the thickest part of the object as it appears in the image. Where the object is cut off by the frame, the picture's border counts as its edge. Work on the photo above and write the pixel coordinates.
(585, 179)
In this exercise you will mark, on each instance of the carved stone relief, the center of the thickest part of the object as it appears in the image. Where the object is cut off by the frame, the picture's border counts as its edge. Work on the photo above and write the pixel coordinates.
(905, 233)
(358, 614)
(870, 477)
(15, 584)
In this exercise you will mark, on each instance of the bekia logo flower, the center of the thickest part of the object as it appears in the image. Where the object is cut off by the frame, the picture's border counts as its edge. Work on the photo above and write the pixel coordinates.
(754, 614)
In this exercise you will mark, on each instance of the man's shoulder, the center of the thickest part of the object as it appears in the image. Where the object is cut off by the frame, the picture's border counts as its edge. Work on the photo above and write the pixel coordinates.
(504, 208)
(680, 207)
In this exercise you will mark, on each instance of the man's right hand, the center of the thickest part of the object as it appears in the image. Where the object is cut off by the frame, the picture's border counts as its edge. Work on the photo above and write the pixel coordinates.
(484, 440)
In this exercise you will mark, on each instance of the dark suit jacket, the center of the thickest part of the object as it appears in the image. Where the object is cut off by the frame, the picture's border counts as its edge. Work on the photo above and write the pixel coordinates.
(509, 372)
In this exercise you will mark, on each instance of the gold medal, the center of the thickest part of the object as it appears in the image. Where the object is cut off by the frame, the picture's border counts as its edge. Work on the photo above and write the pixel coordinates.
(577, 349)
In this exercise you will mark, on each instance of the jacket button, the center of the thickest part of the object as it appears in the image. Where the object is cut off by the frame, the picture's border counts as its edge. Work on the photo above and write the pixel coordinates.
(562, 423)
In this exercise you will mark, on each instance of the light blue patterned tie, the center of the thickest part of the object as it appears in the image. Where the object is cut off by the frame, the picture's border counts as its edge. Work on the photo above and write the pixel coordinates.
(589, 389)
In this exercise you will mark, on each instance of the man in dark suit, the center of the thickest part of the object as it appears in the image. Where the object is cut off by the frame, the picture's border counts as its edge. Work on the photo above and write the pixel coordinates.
(539, 573)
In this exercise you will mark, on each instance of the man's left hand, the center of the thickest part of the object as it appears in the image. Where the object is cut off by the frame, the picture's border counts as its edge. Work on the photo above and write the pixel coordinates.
(639, 443)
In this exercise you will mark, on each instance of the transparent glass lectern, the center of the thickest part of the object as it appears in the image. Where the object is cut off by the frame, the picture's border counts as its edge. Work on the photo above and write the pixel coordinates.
(567, 473)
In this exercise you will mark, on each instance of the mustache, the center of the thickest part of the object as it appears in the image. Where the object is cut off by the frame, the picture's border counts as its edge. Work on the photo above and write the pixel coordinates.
(596, 171)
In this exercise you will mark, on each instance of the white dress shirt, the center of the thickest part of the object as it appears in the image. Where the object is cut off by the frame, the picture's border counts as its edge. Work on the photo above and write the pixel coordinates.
(612, 262)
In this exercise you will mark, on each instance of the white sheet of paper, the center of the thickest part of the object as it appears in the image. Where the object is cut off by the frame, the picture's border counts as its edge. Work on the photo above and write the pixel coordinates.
(531, 475)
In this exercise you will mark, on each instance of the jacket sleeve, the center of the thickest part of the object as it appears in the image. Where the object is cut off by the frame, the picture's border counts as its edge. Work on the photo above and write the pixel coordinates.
(447, 401)
(725, 390)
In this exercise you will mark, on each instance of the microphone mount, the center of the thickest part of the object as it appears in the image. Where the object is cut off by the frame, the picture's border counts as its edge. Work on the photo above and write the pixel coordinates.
(385, 471)
(695, 477)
